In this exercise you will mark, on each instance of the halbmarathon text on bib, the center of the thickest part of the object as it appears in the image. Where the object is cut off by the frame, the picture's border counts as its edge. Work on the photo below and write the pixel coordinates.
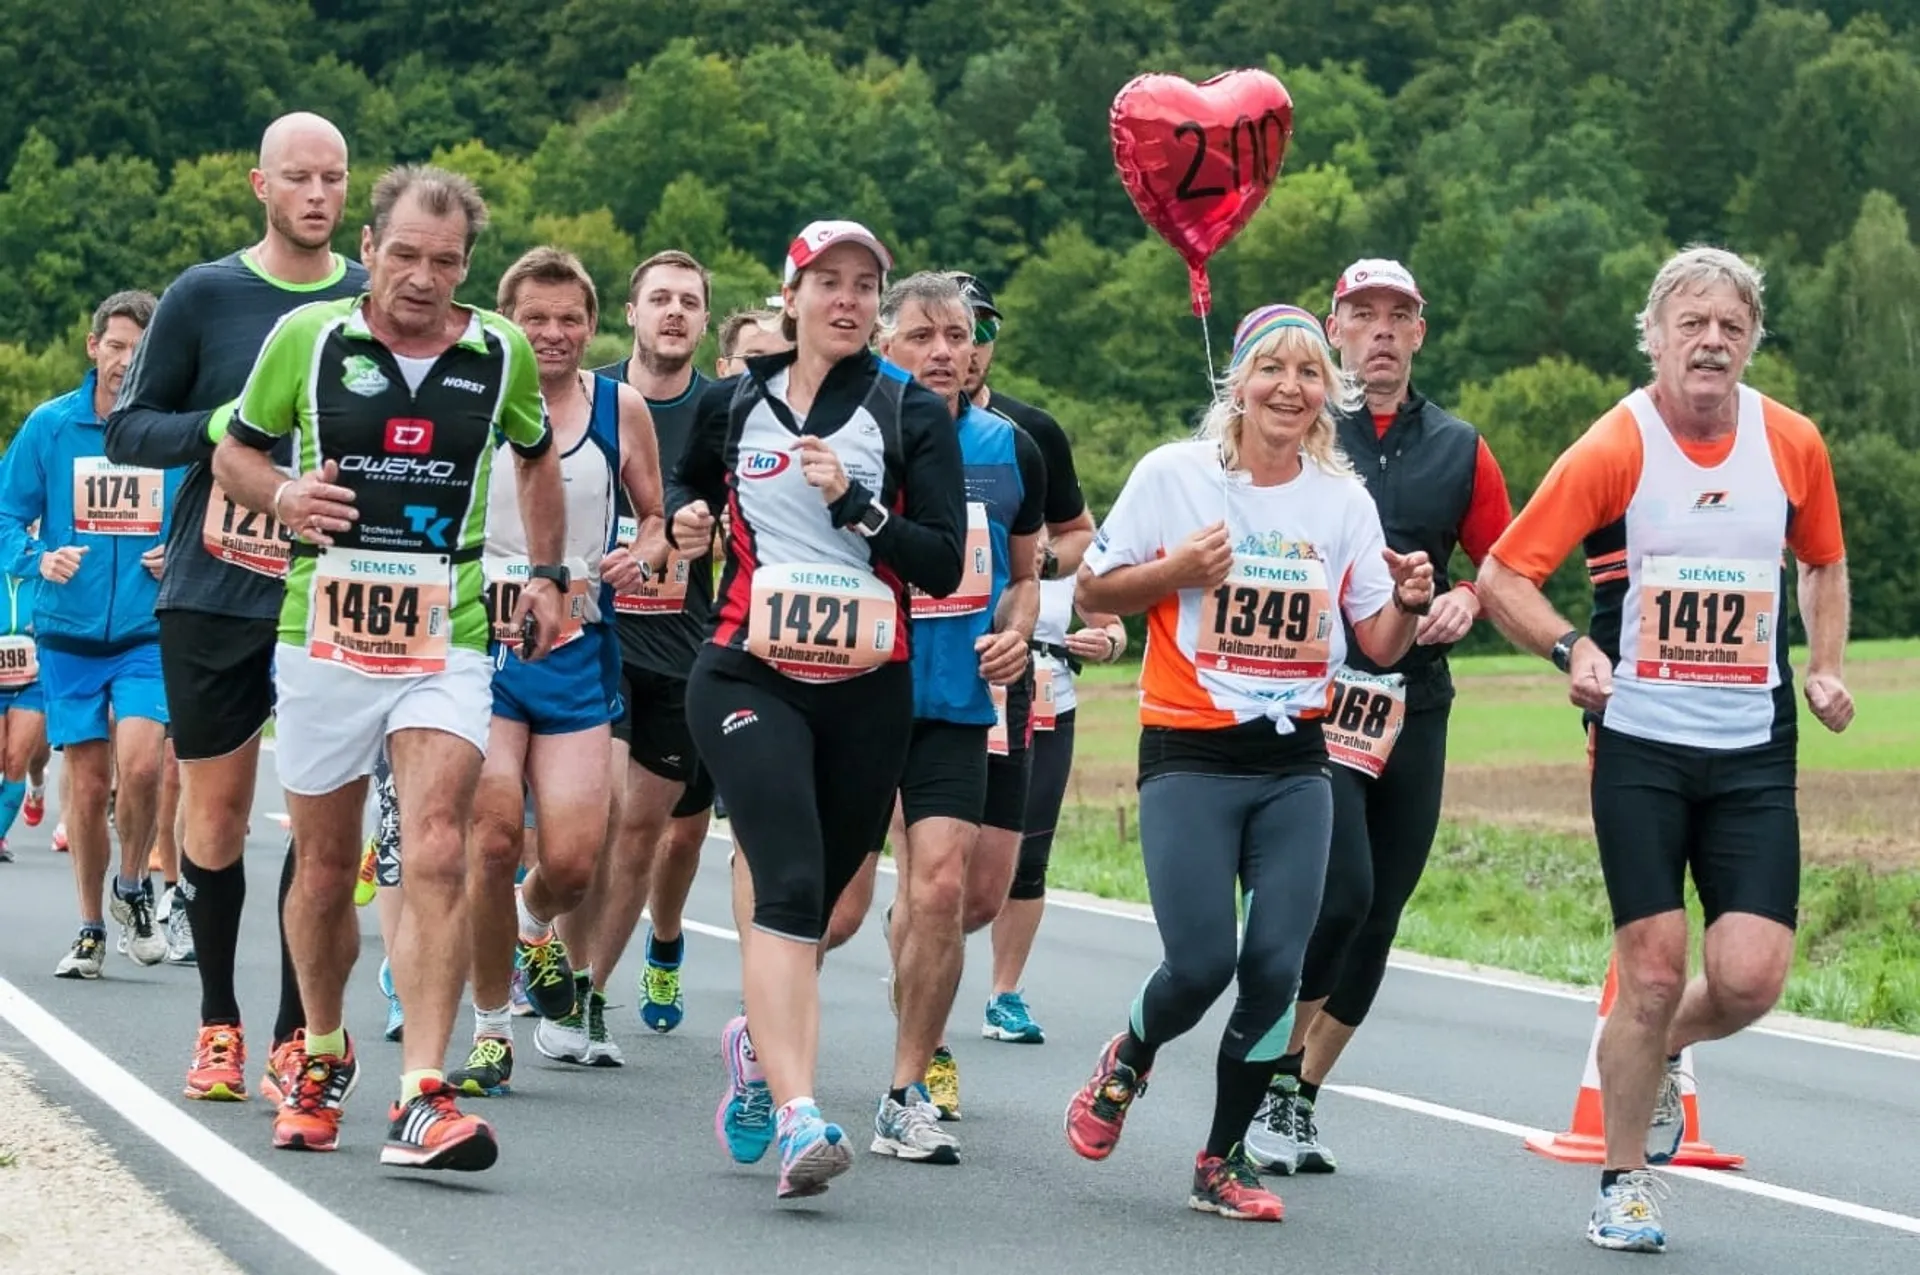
(1707, 621)
(1272, 617)
(117, 500)
(821, 623)
(382, 614)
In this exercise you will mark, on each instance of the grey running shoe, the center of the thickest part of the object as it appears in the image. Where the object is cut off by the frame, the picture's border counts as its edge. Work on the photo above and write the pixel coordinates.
(84, 959)
(911, 1130)
(1626, 1216)
(143, 940)
(173, 922)
(1283, 1138)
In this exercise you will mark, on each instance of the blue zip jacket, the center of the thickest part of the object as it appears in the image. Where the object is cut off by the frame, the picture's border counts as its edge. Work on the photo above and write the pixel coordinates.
(108, 605)
(947, 685)
(16, 605)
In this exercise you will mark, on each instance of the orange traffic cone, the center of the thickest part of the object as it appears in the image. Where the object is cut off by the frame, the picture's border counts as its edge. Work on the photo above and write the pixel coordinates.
(1585, 1140)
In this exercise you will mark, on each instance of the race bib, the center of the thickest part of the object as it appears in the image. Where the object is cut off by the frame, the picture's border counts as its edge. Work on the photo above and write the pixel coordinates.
(382, 614)
(505, 578)
(999, 743)
(258, 542)
(1707, 621)
(1046, 714)
(1364, 723)
(666, 593)
(821, 623)
(1272, 617)
(19, 662)
(976, 574)
(117, 500)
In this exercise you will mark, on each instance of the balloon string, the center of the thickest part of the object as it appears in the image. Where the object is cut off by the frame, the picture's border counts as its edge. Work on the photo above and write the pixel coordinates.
(1206, 339)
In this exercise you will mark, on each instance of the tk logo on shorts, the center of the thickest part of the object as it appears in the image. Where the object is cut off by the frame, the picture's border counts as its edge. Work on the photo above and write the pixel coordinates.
(1712, 502)
(409, 436)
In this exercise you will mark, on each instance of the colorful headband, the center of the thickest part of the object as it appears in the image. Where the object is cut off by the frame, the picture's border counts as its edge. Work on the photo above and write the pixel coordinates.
(1268, 319)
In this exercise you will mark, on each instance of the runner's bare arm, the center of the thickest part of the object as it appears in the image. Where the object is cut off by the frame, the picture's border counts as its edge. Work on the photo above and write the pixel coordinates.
(1825, 606)
(700, 476)
(1003, 652)
(1387, 634)
(1518, 608)
(1201, 561)
(1069, 541)
(640, 476)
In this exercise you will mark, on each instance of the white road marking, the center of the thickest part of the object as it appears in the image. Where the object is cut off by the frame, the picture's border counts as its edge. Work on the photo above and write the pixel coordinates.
(1712, 1177)
(330, 1241)
(1141, 914)
(1507, 1128)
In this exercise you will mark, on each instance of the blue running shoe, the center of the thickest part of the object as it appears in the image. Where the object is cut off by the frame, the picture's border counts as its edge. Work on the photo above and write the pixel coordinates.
(812, 1152)
(1626, 1216)
(744, 1120)
(1008, 1020)
(395, 1020)
(661, 1005)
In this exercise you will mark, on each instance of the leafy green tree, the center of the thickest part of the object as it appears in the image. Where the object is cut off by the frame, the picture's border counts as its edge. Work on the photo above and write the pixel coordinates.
(29, 378)
(1857, 320)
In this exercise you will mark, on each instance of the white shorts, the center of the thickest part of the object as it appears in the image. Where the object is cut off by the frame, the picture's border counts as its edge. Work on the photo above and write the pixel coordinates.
(332, 721)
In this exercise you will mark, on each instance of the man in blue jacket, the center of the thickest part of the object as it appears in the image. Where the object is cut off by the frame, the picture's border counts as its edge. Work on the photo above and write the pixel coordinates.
(98, 554)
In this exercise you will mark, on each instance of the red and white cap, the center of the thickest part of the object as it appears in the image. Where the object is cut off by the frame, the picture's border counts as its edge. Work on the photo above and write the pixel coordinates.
(822, 235)
(1377, 272)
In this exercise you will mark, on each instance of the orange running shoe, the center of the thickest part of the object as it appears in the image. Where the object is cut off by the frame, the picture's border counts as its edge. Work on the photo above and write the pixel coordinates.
(219, 1070)
(309, 1118)
(282, 1062)
(431, 1132)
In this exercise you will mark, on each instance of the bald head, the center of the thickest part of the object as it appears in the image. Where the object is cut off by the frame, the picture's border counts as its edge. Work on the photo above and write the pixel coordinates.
(302, 180)
(298, 131)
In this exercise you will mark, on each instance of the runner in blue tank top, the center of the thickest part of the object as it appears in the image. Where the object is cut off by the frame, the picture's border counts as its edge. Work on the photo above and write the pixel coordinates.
(550, 730)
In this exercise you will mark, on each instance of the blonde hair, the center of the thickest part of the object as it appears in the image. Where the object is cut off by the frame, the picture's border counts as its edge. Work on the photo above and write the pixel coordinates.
(1227, 416)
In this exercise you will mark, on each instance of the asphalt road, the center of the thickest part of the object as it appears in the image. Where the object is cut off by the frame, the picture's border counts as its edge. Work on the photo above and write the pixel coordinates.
(618, 1170)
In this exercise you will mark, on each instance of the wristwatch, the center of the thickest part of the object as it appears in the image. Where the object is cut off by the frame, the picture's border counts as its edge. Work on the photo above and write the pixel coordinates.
(871, 519)
(556, 574)
(1562, 653)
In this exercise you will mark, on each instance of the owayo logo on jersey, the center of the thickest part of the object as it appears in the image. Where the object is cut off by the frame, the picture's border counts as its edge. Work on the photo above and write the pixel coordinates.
(760, 464)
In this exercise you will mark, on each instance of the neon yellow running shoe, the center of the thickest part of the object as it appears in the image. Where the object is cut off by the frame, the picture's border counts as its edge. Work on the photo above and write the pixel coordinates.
(366, 885)
(943, 1083)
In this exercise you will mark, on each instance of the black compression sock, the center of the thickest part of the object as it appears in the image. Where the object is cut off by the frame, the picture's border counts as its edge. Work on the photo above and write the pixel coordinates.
(1290, 1064)
(898, 1095)
(293, 1012)
(664, 952)
(1136, 1053)
(1239, 1086)
(214, 900)
(1309, 1091)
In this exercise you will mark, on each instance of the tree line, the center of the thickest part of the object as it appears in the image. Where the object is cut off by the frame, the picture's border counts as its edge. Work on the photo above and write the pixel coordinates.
(1532, 161)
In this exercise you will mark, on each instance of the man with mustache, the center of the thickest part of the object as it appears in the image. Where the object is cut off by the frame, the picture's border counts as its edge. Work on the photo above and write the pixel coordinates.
(219, 603)
(1683, 495)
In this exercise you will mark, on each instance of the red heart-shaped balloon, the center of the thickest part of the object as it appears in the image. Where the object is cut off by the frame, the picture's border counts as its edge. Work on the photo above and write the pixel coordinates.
(1199, 159)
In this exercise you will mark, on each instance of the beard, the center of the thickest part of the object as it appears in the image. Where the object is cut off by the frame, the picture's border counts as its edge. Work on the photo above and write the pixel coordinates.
(290, 229)
(657, 363)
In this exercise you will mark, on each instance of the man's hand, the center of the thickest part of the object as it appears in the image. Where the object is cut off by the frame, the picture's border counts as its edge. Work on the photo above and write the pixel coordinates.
(1412, 578)
(821, 467)
(1589, 676)
(621, 570)
(693, 525)
(1203, 559)
(58, 565)
(314, 505)
(1830, 700)
(1452, 615)
(1093, 644)
(543, 599)
(1003, 656)
(154, 560)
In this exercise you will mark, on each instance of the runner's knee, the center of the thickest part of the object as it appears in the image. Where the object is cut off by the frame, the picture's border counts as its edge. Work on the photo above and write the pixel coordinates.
(494, 844)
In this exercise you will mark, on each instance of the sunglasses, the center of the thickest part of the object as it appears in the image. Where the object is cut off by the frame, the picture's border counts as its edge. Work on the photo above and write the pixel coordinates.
(985, 330)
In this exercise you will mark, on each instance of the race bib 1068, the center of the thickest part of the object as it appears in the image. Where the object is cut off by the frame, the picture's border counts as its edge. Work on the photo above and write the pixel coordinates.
(1364, 723)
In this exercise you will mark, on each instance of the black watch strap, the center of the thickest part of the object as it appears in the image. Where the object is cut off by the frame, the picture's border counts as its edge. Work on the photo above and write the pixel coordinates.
(556, 573)
(1562, 653)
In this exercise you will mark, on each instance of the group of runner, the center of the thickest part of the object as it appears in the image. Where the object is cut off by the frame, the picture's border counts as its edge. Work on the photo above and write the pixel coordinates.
(439, 550)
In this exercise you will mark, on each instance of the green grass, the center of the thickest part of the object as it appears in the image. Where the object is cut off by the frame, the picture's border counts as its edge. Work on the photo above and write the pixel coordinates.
(1513, 710)
(1535, 903)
